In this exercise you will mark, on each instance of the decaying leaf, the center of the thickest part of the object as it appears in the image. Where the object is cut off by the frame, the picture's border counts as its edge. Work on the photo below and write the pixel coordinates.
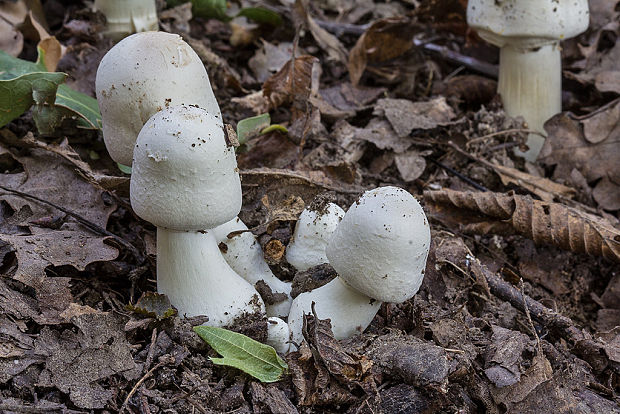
(293, 83)
(328, 42)
(385, 39)
(153, 305)
(544, 222)
(405, 115)
(258, 360)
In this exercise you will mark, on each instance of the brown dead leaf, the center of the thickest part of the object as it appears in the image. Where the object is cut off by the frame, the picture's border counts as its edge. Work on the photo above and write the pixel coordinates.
(53, 50)
(544, 188)
(348, 98)
(405, 115)
(504, 356)
(293, 83)
(546, 223)
(326, 41)
(410, 165)
(269, 59)
(588, 144)
(384, 40)
(538, 373)
(471, 89)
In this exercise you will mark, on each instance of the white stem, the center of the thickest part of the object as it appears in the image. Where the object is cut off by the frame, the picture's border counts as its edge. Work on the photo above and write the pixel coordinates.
(278, 335)
(198, 281)
(530, 83)
(350, 311)
(245, 256)
(125, 17)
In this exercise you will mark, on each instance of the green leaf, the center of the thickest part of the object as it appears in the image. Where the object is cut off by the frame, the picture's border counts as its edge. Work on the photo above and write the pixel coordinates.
(20, 93)
(275, 127)
(124, 168)
(258, 360)
(42, 86)
(248, 127)
(261, 15)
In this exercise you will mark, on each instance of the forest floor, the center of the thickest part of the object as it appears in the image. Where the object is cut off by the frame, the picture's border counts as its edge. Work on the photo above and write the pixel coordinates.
(519, 310)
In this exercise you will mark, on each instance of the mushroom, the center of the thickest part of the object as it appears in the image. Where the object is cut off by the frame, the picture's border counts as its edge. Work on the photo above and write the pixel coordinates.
(245, 256)
(184, 180)
(312, 233)
(125, 17)
(278, 334)
(528, 33)
(141, 75)
(379, 250)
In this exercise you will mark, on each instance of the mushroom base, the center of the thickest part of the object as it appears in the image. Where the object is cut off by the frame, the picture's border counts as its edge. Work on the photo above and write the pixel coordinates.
(198, 281)
(530, 83)
(350, 311)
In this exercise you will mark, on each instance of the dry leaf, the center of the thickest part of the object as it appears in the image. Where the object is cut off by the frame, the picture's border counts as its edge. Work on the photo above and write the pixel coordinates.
(546, 223)
(326, 41)
(405, 115)
(384, 40)
(269, 59)
(292, 83)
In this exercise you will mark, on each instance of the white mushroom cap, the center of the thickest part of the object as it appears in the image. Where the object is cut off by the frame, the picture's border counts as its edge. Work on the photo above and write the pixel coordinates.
(142, 74)
(313, 230)
(528, 23)
(278, 335)
(185, 176)
(381, 245)
(245, 256)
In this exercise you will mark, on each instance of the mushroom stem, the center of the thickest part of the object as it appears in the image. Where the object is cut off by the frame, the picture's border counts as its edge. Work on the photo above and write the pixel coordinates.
(530, 83)
(245, 256)
(125, 17)
(198, 281)
(349, 310)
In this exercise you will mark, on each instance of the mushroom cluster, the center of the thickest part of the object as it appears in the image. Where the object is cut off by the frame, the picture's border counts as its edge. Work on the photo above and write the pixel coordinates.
(160, 116)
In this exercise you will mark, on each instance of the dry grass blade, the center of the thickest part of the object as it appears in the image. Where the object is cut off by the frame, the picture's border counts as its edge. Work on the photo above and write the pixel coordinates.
(544, 222)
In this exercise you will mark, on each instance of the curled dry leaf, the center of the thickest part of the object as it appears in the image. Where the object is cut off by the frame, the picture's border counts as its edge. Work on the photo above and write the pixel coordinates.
(544, 222)
(292, 83)
(384, 40)
(326, 41)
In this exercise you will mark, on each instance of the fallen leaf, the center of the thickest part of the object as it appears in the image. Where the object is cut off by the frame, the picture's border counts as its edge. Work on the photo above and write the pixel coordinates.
(326, 41)
(546, 223)
(384, 40)
(410, 165)
(405, 115)
(258, 360)
(292, 83)
(269, 59)
(153, 305)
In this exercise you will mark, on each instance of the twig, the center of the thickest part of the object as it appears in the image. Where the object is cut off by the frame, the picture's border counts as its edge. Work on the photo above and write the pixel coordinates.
(151, 353)
(85, 222)
(164, 360)
(504, 132)
(459, 175)
(529, 317)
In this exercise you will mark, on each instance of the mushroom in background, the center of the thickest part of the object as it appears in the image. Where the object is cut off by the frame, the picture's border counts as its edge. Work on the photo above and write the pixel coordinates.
(125, 17)
(528, 33)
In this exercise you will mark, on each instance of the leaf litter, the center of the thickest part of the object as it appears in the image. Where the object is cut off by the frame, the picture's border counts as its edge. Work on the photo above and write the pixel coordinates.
(520, 306)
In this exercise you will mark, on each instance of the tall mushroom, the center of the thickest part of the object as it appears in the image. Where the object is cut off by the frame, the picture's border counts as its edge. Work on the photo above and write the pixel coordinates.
(528, 33)
(124, 17)
(185, 180)
(141, 75)
(379, 250)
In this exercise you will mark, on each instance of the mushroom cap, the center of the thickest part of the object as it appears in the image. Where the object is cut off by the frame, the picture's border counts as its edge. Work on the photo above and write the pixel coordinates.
(185, 175)
(142, 74)
(313, 230)
(527, 23)
(381, 245)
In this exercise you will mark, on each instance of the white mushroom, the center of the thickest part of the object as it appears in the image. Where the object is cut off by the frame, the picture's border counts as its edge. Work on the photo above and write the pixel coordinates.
(245, 256)
(379, 251)
(278, 334)
(530, 68)
(185, 180)
(312, 233)
(141, 75)
(125, 17)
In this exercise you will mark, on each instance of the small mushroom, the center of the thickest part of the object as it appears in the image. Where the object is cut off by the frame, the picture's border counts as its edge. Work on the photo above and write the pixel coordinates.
(313, 230)
(245, 256)
(185, 180)
(278, 335)
(141, 75)
(528, 33)
(379, 250)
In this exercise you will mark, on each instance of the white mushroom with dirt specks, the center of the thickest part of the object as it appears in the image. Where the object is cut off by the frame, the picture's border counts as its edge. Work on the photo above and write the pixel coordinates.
(528, 33)
(141, 75)
(379, 251)
(185, 180)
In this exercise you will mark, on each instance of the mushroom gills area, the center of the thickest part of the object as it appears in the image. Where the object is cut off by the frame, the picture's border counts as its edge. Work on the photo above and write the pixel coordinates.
(530, 83)
(350, 311)
(198, 281)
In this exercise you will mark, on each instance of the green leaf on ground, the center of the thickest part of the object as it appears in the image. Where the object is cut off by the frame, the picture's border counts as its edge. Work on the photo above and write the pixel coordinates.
(24, 83)
(124, 168)
(249, 127)
(258, 360)
(261, 15)
(217, 9)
